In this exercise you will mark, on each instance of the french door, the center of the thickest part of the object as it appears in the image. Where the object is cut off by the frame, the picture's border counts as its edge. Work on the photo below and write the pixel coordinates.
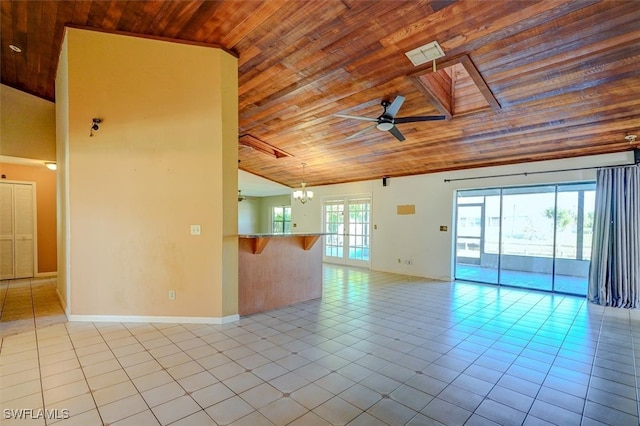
(348, 220)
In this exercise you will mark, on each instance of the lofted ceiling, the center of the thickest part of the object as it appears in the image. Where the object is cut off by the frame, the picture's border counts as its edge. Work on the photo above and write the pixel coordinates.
(521, 80)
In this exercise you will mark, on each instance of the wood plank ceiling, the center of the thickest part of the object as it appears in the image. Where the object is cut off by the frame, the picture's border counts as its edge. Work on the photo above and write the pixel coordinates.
(564, 73)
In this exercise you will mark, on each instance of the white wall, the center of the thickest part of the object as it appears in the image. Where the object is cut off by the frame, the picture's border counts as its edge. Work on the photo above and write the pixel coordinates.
(418, 237)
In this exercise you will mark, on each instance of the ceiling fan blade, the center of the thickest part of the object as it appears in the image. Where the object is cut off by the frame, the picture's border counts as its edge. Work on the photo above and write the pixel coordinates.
(360, 132)
(393, 109)
(395, 132)
(419, 118)
(355, 117)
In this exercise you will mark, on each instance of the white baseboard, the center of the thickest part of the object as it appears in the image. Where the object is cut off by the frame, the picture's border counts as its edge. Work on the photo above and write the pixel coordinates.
(154, 319)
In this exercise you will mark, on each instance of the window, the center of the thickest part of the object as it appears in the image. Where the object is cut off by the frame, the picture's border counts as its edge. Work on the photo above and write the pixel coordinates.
(281, 220)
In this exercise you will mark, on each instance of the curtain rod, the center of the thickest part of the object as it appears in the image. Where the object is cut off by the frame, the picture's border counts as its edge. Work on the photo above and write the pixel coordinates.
(537, 173)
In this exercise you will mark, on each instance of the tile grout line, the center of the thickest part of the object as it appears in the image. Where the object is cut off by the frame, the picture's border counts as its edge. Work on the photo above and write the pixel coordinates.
(486, 322)
(527, 414)
(635, 369)
(35, 332)
(73, 346)
(593, 366)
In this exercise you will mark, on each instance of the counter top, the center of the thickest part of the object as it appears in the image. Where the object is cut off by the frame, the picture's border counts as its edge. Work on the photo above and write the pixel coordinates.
(290, 234)
(260, 240)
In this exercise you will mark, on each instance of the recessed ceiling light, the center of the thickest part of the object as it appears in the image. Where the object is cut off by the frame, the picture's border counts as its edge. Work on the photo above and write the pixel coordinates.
(15, 48)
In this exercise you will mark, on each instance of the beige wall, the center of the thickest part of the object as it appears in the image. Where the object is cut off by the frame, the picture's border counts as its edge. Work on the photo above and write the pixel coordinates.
(27, 125)
(165, 158)
(28, 131)
(62, 182)
(255, 213)
(249, 216)
(45, 181)
(268, 203)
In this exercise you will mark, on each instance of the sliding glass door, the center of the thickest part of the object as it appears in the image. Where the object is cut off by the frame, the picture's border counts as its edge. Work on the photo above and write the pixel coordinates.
(536, 237)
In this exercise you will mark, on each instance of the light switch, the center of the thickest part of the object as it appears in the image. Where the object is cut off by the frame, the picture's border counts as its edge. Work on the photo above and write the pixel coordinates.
(195, 229)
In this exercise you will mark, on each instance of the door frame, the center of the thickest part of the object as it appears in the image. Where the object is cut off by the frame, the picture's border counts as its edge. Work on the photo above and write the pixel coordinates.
(346, 201)
(33, 185)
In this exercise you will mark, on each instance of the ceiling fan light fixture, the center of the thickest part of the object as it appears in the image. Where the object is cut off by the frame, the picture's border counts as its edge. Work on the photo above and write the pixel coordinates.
(385, 125)
(426, 53)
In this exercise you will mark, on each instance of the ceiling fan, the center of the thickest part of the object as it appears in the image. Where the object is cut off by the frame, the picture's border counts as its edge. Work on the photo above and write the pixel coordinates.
(387, 120)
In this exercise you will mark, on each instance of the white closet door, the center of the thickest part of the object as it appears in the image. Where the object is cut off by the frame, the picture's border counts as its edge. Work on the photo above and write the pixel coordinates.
(6, 231)
(24, 227)
(17, 230)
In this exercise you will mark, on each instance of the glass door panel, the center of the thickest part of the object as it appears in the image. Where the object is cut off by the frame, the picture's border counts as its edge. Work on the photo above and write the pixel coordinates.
(359, 225)
(334, 224)
(527, 237)
(476, 256)
(574, 224)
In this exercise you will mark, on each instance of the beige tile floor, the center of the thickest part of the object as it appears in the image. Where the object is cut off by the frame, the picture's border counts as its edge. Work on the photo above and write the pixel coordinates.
(27, 303)
(377, 349)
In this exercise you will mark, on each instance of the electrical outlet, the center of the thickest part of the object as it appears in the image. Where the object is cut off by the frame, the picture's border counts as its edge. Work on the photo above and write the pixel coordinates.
(443, 228)
(195, 229)
(172, 295)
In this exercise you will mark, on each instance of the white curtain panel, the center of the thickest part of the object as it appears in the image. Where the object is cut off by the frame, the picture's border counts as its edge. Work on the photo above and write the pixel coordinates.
(614, 276)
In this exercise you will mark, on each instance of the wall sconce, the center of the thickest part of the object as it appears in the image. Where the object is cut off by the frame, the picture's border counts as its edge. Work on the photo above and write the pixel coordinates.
(95, 125)
(51, 165)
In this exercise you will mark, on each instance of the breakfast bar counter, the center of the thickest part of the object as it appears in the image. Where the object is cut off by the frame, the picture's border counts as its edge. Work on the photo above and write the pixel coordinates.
(276, 270)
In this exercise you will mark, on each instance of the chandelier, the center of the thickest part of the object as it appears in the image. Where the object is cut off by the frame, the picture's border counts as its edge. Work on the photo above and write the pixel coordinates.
(303, 195)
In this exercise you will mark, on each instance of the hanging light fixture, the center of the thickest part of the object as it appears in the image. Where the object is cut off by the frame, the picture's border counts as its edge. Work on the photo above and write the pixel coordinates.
(303, 195)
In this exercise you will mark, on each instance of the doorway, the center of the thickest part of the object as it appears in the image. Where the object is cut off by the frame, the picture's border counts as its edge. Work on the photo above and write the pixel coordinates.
(17, 230)
(348, 219)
